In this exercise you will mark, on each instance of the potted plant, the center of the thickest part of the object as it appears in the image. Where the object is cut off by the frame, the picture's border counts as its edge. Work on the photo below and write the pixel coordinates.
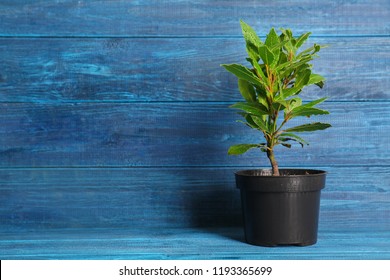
(280, 206)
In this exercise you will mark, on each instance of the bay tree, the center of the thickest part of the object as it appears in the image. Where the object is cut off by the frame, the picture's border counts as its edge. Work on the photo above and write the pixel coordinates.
(271, 85)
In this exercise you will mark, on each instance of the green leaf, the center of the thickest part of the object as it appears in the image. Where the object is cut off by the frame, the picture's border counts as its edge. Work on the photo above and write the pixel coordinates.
(290, 91)
(287, 34)
(283, 59)
(247, 90)
(289, 41)
(260, 123)
(303, 78)
(262, 97)
(249, 121)
(276, 53)
(302, 39)
(279, 105)
(315, 78)
(253, 52)
(266, 55)
(303, 67)
(253, 41)
(320, 84)
(248, 124)
(310, 51)
(290, 66)
(309, 127)
(250, 35)
(292, 137)
(307, 112)
(241, 148)
(243, 73)
(315, 102)
(272, 39)
(253, 108)
(294, 102)
(259, 71)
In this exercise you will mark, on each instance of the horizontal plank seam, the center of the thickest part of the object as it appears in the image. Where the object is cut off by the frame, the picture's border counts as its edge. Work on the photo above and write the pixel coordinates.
(31, 36)
(50, 102)
(124, 167)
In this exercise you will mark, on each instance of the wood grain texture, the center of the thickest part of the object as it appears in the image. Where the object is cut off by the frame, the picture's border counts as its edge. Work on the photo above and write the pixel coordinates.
(115, 128)
(196, 244)
(179, 134)
(190, 18)
(134, 198)
(355, 198)
(129, 70)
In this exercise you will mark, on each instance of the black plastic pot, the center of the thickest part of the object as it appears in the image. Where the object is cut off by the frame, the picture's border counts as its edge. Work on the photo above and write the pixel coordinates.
(281, 210)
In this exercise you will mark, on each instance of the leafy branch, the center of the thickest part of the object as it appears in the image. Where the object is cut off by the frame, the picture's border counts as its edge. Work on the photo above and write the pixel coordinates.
(271, 89)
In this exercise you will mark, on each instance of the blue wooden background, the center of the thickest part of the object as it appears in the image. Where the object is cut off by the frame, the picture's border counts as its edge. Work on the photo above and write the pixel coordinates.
(115, 127)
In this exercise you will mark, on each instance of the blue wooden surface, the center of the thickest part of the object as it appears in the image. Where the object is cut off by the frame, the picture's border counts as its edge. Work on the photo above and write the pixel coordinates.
(177, 134)
(41, 70)
(115, 126)
(187, 243)
(190, 18)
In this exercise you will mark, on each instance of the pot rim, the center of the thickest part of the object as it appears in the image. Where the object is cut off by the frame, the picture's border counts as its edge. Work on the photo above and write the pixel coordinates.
(268, 172)
(250, 181)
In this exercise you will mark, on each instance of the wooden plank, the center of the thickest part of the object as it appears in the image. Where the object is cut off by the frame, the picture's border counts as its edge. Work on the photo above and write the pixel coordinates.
(179, 134)
(109, 198)
(355, 198)
(190, 18)
(196, 244)
(127, 70)
(75, 85)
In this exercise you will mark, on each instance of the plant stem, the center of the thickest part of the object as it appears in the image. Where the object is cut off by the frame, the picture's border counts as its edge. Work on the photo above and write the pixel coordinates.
(271, 140)
(274, 164)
